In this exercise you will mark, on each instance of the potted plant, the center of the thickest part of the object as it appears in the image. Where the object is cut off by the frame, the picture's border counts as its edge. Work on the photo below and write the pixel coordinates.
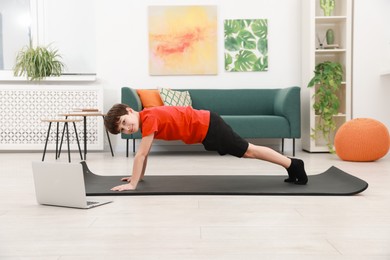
(327, 79)
(38, 63)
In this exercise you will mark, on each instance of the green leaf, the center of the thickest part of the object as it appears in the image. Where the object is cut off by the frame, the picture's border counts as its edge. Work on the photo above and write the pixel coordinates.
(233, 26)
(261, 64)
(244, 61)
(260, 28)
(247, 22)
(228, 60)
(246, 39)
(262, 46)
(232, 44)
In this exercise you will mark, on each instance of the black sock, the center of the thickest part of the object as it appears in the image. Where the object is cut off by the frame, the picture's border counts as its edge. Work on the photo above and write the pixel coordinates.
(296, 172)
(291, 174)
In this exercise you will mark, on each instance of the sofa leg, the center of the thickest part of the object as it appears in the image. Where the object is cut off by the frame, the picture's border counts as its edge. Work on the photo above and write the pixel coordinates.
(282, 145)
(294, 147)
(127, 147)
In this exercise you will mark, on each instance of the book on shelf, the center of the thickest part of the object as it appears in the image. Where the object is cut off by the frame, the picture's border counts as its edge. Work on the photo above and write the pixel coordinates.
(85, 110)
(331, 46)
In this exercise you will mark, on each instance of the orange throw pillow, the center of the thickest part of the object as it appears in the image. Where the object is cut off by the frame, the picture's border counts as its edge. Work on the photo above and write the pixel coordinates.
(150, 97)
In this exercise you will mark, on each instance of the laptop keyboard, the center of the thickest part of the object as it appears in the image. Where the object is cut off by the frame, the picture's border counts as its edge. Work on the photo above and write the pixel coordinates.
(89, 203)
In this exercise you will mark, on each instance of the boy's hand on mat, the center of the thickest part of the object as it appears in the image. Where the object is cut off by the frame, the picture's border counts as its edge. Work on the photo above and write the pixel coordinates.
(128, 179)
(123, 187)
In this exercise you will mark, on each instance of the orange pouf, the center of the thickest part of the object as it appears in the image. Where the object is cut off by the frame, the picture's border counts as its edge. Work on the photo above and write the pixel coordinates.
(362, 140)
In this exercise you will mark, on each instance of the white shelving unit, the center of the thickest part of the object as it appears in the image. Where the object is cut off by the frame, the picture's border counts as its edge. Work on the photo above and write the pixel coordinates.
(314, 27)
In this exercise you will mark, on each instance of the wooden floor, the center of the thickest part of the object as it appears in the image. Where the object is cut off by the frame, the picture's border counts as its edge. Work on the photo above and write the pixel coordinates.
(197, 227)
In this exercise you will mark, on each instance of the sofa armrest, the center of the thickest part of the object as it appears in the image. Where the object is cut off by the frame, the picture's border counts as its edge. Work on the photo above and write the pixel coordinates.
(130, 97)
(288, 104)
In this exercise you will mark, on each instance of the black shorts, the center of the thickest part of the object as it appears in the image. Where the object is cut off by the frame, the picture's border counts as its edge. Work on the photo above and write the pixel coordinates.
(221, 138)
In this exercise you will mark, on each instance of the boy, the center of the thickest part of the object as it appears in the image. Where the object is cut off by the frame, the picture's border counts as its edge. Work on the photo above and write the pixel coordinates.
(191, 126)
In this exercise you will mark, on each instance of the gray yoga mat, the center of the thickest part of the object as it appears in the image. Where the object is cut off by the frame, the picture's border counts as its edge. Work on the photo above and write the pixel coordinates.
(332, 182)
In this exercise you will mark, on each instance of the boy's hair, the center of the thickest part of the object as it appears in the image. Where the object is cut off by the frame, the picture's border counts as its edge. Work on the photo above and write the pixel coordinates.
(111, 120)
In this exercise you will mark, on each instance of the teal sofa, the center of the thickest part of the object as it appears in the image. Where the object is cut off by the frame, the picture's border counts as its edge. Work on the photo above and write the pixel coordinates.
(252, 113)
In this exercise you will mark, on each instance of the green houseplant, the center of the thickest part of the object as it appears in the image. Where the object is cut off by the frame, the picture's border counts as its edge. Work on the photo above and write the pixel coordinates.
(38, 63)
(327, 79)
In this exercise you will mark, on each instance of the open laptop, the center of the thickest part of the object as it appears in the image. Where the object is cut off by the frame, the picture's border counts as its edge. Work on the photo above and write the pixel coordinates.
(61, 184)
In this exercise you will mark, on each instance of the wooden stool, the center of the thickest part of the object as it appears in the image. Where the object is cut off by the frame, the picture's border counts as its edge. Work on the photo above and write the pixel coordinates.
(65, 121)
(86, 114)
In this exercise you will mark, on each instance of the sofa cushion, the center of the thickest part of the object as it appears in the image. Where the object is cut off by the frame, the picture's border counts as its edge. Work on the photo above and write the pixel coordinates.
(175, 98)
(259, 126)
(150, 97)
(234, 101)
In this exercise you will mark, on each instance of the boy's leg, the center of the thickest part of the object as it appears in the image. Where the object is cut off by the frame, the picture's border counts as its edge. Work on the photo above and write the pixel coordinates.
(221, 137)
(294, 167)
(267, 154)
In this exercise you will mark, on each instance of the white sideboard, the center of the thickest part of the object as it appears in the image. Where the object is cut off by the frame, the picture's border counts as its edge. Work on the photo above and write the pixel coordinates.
(23, 106)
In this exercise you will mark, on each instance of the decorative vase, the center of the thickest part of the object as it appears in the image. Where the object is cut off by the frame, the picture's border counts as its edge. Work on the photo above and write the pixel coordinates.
(327, 6)
(329, 37)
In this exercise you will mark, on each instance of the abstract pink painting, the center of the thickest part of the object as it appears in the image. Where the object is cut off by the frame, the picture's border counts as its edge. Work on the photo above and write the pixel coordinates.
(182, 40)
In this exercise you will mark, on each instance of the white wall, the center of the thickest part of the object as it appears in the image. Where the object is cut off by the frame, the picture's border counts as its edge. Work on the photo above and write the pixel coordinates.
(371, 56)
(122, 47)
(70, 28)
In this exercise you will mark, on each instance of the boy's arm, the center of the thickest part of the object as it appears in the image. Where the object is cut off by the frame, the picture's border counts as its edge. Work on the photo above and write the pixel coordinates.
(128, 179)
(144, 167)
(139, 165)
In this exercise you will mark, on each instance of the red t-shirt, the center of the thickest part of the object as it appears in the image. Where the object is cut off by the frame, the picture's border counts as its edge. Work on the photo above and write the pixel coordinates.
(175, 123)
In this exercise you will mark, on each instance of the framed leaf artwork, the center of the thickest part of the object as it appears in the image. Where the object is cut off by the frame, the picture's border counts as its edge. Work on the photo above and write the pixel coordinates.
(182, 40)
(246, 45)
